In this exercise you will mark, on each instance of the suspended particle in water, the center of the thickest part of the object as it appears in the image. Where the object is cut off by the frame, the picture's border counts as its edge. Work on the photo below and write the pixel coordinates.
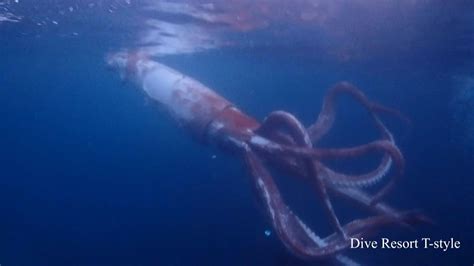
(268, 233)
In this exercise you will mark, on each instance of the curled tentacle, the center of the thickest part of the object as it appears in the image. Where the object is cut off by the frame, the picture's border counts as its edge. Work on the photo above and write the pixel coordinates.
(381, 145)
(280, 120)
(352, 194)
(323, 125)
(282, 136)
(294, 233)
(327, 115)
(364, 200)
(296, 236)
(363, 180)
(272, 148)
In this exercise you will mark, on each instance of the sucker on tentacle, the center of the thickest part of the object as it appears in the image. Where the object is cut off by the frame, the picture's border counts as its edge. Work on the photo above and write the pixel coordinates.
(365, 180)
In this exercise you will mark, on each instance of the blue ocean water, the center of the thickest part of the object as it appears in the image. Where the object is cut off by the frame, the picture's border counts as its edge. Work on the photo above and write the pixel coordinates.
(92, 173)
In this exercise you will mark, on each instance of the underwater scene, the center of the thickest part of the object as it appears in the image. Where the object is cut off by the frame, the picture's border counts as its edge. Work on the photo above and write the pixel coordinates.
(236, 132)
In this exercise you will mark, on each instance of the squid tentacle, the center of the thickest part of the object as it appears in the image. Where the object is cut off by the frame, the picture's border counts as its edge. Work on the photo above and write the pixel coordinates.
(270, 147)
(351, 194)
(363, 180)
(282, 134)
(323, 125)
(337, 178)
(281, 120)
(392, 154)
(295, 234)
(327, 115)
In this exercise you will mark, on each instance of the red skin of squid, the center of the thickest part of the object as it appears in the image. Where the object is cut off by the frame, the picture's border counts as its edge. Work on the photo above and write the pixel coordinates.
(213, 119)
